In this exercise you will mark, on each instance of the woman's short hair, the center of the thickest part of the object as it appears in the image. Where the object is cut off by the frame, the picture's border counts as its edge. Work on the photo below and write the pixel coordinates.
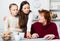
(46, 14)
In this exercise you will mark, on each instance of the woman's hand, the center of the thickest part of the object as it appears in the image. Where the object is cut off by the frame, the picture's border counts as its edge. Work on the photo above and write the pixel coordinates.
(35, 35)
(6, 35)
(49, 36)
(28, 35)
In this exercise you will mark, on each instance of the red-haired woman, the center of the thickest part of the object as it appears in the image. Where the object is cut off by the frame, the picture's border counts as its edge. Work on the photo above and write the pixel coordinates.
(44, 28)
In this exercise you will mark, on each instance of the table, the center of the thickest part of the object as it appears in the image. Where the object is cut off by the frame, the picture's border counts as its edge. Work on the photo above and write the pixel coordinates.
(39, 39)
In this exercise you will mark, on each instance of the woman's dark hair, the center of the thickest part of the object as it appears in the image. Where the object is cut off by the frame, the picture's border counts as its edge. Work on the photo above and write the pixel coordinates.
(22, 4)
(46, 15)
(23, 17)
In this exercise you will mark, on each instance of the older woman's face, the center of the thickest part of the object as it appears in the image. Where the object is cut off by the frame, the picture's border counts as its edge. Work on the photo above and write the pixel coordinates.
(41, 18)
(26, 8)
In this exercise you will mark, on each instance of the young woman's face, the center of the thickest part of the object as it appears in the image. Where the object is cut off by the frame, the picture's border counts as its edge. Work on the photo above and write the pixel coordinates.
(41, 18)
(26, 8)
(14, 10)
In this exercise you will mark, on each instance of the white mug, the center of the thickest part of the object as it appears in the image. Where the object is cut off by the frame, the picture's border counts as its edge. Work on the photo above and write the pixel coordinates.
(18, 36)
(21, 35)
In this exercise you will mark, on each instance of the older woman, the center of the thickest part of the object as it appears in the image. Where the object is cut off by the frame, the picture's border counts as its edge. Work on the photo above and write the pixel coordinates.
(44, 28)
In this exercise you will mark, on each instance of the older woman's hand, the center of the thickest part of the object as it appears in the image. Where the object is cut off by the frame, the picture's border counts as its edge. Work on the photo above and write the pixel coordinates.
(35, 35)
(49, 36)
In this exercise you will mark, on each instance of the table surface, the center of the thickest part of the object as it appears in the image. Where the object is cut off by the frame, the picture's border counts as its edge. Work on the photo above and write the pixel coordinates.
(39, 39)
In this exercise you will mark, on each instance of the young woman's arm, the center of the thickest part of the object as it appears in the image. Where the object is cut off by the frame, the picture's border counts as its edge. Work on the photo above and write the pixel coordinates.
(29, 23)
(6, 34)
(6, 25)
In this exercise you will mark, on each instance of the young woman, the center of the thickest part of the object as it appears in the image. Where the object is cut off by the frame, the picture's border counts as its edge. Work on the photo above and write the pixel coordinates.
(44, 28)
(23, 15)
(11, 22)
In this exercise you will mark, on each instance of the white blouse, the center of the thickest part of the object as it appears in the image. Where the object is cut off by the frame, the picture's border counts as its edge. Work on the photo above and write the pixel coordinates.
(33, 16)
(11, 24)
